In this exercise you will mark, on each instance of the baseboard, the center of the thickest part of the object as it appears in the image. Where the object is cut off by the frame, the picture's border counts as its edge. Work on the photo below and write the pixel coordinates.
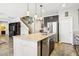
(66, 43)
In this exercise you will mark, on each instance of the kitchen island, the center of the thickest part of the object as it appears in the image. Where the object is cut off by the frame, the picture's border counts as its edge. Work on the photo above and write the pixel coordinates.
(37, 44)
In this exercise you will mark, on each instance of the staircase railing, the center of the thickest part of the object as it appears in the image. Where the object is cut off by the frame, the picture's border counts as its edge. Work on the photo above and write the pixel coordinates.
(25, 21)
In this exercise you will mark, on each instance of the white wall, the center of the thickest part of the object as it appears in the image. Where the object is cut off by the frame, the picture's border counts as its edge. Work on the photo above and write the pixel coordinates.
(73, 12)
(36, 26)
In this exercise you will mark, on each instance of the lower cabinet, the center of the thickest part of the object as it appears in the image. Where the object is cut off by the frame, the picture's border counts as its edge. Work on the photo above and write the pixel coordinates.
(47, 46)
(51, 44)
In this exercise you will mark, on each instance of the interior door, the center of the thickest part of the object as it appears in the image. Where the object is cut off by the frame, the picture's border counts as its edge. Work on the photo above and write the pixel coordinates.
(66, 30)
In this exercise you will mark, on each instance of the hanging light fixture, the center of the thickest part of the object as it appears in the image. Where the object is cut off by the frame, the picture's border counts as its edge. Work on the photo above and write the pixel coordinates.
(41, 16)
(28, 13)
(35, 16)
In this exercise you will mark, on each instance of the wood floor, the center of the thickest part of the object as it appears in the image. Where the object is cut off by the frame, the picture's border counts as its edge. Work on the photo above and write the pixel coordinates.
(63, 49)
(6, 49)
(60, 49)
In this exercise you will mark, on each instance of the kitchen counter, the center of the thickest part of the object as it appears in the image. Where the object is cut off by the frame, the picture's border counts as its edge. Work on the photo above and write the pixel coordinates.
(34, 37)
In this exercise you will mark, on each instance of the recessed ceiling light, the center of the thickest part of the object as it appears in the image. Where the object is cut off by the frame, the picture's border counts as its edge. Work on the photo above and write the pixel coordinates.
(64, 5)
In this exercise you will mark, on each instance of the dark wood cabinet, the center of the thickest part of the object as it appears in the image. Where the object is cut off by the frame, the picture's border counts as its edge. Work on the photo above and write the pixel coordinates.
(14, 29)
(47, 46)
(51, 44)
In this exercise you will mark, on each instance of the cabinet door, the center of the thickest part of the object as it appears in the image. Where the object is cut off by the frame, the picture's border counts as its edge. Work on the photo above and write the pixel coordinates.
(51, 44)
(45, 47)
(18, 28)
(11, 29)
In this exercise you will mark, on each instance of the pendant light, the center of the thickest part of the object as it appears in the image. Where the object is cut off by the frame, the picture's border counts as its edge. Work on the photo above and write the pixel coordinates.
(41, 17)
(28, 13)
(35, 16)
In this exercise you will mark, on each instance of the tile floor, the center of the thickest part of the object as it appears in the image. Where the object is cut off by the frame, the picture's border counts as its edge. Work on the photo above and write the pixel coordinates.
(60, 49)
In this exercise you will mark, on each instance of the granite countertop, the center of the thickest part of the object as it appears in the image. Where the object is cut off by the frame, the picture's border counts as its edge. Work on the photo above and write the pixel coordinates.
(34, 37)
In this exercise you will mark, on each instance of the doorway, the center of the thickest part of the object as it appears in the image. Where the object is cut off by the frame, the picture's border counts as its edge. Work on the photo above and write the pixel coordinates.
(14, 29)
(3, 28)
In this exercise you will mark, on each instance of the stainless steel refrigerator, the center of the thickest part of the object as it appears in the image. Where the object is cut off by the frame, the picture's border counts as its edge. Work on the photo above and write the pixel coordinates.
(53, 28)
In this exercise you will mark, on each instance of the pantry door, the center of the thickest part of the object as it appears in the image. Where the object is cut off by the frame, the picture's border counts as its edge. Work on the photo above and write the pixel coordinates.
(66, 30)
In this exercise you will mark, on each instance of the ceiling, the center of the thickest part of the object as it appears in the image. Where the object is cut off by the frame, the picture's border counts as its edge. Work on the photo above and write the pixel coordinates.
(51, 8)
(19, 9)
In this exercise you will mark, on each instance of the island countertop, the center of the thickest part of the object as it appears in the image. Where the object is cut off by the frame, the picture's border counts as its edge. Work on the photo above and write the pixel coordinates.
(34, 37)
